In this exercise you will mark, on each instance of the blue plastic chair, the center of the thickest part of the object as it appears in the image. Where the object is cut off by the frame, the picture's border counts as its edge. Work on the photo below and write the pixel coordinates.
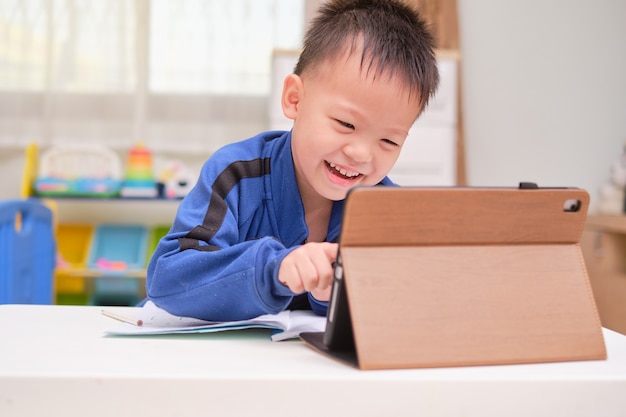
(27, 252)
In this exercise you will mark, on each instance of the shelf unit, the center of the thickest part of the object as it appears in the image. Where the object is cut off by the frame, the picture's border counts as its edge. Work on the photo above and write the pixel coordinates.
(92, 271)
(86, 238)
(604, 249)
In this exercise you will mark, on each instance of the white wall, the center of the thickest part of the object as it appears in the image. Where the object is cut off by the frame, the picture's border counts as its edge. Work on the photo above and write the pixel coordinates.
(544, 90)
(11, 169)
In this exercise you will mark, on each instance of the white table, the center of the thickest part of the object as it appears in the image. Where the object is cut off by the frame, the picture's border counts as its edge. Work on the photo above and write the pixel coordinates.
(55, 360)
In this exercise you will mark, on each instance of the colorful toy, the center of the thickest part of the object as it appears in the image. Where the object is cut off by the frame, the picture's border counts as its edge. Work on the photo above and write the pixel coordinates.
(139, 179)
(108, 265)
(79, 170)
(176, 180)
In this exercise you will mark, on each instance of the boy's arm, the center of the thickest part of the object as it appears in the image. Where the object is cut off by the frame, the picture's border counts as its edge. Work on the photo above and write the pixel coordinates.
(207, 268)
(233, 283)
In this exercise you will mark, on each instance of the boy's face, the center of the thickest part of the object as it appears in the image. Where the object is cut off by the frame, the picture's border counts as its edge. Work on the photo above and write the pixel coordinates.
(349, 127)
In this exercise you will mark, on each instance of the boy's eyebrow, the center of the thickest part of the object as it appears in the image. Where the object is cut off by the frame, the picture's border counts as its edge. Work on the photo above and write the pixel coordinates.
(349, 108)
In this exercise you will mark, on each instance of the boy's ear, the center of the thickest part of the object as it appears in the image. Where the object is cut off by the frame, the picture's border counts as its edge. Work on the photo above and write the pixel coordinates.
(292, 93)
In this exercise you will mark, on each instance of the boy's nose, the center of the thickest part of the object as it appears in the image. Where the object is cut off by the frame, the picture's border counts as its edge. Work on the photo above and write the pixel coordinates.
(358, 152)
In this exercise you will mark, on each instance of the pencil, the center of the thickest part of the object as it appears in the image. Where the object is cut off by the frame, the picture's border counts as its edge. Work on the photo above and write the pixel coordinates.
(135, 322)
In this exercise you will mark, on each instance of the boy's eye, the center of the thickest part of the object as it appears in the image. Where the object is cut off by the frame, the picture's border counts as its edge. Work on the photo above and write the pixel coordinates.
(390, 142)
(346, 124)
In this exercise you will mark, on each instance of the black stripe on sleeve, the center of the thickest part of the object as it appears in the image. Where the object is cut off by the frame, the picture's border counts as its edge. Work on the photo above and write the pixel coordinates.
(216, 212)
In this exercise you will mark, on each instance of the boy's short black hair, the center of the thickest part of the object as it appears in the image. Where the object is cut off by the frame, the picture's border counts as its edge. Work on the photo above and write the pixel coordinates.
(396, 42)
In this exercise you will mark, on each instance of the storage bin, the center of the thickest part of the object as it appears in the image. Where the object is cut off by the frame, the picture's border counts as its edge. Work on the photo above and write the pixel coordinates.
(121, 246)
(73, 241)
(156, 233)
(117, 251)
(27, 252)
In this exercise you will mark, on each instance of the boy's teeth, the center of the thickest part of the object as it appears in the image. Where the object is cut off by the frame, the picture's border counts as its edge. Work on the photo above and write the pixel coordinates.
(343, 171)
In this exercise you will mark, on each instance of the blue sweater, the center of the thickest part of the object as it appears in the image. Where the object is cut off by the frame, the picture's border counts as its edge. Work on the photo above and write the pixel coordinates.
(221, 257)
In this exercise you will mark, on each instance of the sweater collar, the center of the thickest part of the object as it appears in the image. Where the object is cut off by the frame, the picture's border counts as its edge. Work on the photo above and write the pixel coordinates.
(287, 200)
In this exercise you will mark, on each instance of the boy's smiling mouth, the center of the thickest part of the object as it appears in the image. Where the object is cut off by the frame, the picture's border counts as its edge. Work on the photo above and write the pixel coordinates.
(342, 172)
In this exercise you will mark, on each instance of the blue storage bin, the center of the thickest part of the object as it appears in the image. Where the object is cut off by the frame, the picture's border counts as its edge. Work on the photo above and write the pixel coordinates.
(121, 246)
(27, 252)
(116, 250)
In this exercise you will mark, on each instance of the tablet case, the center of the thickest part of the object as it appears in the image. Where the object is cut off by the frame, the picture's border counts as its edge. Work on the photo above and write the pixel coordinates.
(439, 277)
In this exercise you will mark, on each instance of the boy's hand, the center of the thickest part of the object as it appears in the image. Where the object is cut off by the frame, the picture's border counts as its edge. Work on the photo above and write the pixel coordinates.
(309, 268)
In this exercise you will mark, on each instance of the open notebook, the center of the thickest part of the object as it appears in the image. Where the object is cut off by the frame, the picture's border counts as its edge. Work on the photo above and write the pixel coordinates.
(431, 277)
(152, 320)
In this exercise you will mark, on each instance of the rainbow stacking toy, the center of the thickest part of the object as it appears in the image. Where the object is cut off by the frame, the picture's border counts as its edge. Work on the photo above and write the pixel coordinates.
(139, 178)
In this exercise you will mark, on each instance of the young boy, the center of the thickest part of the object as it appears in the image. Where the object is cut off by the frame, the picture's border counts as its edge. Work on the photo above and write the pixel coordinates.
(255, 235)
